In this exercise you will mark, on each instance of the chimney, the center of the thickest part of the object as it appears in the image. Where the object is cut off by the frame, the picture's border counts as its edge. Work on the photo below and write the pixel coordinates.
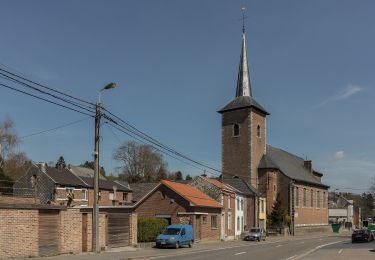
(308, 165)
(42, 167)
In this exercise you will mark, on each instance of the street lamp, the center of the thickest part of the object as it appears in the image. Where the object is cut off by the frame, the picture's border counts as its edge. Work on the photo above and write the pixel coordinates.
(95, 214)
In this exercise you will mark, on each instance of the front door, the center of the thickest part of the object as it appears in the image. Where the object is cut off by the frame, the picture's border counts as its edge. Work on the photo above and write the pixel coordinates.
(197, 227)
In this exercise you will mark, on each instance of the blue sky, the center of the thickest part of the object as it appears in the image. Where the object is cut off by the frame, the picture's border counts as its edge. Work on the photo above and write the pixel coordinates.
(311, 64)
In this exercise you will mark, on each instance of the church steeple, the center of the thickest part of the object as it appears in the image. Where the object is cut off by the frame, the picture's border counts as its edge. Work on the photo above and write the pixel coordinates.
(243, 79)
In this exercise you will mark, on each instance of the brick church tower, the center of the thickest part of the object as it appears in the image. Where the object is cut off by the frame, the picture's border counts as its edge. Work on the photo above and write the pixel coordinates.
(243, 128)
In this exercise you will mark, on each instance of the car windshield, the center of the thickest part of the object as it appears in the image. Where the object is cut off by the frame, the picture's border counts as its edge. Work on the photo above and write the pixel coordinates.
(171, 231)
(255, 230)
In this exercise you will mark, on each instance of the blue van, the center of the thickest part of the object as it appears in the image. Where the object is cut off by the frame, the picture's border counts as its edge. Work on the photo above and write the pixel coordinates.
(176, 236)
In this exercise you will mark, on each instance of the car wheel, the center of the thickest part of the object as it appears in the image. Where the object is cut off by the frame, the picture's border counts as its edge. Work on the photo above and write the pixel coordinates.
(191, 244)
(177, 245)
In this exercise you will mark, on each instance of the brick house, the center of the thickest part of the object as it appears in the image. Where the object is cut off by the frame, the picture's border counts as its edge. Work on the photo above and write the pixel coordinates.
(51, 186)
(226, 196)
(269, 170)
(180, 204)
(250, 196)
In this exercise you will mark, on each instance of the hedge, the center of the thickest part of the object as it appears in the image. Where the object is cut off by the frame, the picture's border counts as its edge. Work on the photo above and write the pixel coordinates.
(150, 228)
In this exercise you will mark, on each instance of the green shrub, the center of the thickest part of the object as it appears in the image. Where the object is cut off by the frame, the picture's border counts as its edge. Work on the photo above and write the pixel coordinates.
(150, 228)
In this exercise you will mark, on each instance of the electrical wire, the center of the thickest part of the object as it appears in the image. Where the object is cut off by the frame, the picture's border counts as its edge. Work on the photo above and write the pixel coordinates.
(55, 128)
(49, 88)
(44, 99)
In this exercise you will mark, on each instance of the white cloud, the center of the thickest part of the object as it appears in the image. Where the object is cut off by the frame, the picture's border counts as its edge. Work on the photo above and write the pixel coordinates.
(351, 175)
(345, 93)
(339, 155)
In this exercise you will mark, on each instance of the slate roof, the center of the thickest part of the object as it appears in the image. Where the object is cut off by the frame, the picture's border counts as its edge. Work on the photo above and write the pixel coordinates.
(141, 189)
(105, 184)
(243, 102)
(84, 172)
(289, 164)
(241, 185)
(192, 194)
(64, 177)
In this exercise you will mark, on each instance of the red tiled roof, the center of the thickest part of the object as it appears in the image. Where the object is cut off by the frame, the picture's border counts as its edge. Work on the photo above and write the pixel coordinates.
(192, 194)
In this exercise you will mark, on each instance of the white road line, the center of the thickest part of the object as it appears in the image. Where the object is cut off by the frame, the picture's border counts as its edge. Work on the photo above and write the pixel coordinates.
(340, 251)
(240, 253)
(320, 239)
(289, 258)
(316, 248)
(279, 245)
(302, 242)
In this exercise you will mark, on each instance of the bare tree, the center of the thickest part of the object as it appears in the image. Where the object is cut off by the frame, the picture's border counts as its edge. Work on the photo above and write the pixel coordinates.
(140, 163)
(8, 139)
(16, 165)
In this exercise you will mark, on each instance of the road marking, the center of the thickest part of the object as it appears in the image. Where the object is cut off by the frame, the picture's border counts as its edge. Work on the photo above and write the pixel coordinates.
(340, 251)
(302, 242)
(291, 257)
(240, 253)
(279, 245)
(317, 248)
(320, 239)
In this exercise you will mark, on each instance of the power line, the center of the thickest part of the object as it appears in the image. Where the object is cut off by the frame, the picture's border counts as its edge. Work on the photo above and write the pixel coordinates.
(44, 99)
(40, 85)
(55, 128)
(4, 76)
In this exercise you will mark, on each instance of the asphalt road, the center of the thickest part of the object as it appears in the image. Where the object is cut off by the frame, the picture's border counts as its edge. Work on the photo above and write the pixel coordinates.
(286, 250)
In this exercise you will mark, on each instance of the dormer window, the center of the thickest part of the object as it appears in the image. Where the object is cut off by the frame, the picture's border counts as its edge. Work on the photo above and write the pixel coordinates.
(258, 131)
(236, 130)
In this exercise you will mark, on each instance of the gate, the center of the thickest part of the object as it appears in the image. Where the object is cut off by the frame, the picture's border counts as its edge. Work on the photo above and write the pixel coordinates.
(48, 232)
(118, 229)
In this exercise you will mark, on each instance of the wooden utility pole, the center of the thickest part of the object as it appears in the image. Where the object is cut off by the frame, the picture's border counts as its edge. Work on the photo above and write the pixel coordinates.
(95, 213)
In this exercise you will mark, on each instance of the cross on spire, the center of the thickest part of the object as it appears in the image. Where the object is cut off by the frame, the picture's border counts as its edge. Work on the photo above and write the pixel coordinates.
(243, 19)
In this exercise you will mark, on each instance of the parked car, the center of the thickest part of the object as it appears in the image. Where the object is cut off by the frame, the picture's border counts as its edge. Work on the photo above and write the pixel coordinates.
(362, 235)
(256, 234)
(176, 236)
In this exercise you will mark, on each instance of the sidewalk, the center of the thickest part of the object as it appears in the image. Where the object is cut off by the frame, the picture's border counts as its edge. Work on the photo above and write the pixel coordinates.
(144, 253)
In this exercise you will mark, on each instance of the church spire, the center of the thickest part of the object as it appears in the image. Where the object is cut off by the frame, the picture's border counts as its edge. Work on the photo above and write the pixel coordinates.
(243, 79)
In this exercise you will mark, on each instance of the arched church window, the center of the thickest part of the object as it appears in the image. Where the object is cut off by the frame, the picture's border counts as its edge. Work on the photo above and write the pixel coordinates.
(236, 130)
(258, 131)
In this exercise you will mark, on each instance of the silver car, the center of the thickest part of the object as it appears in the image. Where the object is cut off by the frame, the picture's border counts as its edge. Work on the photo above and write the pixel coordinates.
(256, 234)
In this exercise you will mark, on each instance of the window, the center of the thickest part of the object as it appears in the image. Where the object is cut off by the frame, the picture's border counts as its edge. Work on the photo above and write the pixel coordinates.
(297, 197)
(228, 202)
(304, 197)
(324, 200)
(238, 224)
(236, 130)
(258, 131)
(229, 220)
(111, 195)
(312, 199)
(262, 206)
(83, 194)
(241, 223)
(213, 222)
(125, 196)
(221, 199)
(238, 204)
(204, 219)
(318, 199)
(242, 204)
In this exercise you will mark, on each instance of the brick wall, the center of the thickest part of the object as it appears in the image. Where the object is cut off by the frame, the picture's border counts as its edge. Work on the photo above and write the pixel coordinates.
(18, 200)
(241, 155)
(70, 231)
(102, 231)
(133, 221)
(18, 233)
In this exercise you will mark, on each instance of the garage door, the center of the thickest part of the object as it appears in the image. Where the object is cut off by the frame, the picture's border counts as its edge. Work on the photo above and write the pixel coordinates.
(118, 229)
(48, 232)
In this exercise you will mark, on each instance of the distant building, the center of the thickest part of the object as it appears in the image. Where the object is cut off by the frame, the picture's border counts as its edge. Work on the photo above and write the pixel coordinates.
(269, 170)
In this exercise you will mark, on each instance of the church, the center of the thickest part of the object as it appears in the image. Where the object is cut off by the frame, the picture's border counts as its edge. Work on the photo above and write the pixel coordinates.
(270, 170)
